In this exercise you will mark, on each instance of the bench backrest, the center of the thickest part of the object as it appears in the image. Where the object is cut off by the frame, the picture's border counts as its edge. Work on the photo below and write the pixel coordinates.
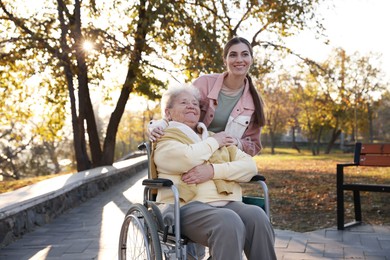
(372, 154)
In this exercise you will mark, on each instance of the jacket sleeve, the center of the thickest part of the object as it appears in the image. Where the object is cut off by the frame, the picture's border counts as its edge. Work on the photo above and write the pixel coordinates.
(175, 156)
(241, 169)
(251, 134)
(202, 85)
(163, 123)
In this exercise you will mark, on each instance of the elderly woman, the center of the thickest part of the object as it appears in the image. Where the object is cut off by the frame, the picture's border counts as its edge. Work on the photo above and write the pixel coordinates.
(206, 169)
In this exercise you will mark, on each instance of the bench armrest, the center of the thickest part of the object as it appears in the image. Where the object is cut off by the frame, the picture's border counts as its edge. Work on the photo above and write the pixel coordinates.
(346, 164)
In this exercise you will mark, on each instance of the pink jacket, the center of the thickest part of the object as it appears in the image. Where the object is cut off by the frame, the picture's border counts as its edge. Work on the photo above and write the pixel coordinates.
(240, 124)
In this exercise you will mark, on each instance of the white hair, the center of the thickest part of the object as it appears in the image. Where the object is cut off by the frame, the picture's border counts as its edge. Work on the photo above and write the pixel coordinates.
(172, 92)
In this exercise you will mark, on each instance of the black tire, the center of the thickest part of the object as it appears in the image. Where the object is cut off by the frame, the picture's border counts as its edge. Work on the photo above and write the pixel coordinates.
(139, 238)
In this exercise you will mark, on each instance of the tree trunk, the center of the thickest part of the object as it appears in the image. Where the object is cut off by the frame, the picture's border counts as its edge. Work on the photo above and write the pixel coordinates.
(318, 142)
(335, 134)
(273, 141)
(53, 155)
(144, 22)
(78, 128)
(370, 124)
(294, 144)
(85, 105)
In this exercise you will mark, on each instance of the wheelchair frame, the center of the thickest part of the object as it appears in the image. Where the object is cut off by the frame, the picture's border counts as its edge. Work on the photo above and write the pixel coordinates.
(143, 234)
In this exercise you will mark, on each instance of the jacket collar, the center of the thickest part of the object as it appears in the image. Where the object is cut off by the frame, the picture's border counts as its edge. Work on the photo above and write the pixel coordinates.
(246, 101)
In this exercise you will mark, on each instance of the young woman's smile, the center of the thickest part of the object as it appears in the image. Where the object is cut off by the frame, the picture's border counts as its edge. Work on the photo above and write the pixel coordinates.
(239, 59)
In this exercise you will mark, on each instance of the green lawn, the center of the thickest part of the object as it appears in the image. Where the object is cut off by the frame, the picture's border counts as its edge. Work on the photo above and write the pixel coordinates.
(302, 189)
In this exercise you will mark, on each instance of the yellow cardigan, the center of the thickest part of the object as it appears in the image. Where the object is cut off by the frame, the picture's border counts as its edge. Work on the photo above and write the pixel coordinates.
(222, 187)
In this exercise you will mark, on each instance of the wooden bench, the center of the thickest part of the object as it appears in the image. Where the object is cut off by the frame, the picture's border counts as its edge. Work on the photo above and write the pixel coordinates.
(370, 155)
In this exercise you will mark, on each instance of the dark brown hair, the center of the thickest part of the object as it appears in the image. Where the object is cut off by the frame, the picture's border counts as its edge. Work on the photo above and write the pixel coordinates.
(259, 115)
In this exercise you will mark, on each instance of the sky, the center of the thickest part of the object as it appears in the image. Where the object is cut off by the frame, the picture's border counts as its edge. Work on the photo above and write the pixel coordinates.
(354, 25)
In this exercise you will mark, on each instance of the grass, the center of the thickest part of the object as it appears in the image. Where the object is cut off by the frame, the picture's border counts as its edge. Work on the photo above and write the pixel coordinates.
(11, 185)
(302, 189)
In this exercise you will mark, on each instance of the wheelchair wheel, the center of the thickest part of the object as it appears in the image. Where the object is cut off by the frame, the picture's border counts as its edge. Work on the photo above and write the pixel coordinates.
(139, 238)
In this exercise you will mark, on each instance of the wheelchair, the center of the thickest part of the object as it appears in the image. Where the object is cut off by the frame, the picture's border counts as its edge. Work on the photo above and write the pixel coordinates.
(145, 235)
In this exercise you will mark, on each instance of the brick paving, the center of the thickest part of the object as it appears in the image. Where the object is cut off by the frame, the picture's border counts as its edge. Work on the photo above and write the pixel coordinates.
(91, 231)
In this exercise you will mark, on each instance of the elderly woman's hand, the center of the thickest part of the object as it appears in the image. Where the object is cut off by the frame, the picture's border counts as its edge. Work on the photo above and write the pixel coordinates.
(224, 139)
(199, 174)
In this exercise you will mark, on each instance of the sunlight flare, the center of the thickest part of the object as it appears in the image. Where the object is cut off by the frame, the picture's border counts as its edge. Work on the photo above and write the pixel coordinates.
(88, 46)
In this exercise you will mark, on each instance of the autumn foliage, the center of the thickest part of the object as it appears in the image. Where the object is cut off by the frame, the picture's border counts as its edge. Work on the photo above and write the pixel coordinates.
(302, 190)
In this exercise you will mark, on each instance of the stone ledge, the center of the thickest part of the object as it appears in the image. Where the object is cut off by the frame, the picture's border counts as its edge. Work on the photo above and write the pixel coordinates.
(22, 210)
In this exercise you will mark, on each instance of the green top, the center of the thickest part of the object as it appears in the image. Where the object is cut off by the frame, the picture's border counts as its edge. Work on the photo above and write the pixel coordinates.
(222, 112)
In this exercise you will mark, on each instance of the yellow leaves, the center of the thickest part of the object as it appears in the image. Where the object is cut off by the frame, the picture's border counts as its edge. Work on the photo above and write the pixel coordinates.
(16, 184)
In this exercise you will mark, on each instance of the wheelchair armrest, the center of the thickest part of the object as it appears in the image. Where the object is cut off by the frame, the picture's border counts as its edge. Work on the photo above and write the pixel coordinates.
(257, 178)
(155, 183)
(260, 179)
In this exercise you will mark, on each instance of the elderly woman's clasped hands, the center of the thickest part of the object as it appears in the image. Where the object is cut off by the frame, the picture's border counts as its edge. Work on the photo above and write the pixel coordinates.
(205, 172)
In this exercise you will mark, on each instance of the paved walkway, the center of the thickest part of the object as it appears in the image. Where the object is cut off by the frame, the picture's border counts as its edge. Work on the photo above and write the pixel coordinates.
(91, 231)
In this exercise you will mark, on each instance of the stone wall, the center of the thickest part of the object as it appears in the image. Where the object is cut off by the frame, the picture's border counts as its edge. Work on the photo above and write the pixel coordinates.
(21, 217)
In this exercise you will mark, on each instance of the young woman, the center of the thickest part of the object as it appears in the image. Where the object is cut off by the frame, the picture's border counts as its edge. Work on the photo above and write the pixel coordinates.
(229, 101)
